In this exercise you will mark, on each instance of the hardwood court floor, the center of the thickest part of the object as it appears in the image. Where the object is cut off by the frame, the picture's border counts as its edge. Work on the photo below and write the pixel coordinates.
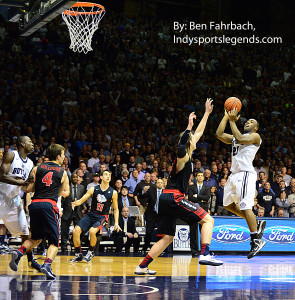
(178, 277)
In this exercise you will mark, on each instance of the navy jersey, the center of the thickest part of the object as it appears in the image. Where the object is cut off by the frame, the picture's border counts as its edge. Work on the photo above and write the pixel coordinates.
(179, 181)
(102, 200)
(48, 181)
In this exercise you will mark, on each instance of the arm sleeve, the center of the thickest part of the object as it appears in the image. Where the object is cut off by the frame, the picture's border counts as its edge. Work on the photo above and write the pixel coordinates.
(181, 152)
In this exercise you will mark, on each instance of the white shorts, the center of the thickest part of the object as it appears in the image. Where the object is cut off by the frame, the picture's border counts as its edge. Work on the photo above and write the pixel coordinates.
(14, 217)
(240, 188)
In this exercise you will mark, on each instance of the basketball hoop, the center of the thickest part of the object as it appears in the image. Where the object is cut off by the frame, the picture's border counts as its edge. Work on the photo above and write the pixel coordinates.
(82, 20)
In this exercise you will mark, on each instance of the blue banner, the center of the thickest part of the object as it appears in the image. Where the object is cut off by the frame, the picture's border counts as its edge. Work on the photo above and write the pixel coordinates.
(232, 234)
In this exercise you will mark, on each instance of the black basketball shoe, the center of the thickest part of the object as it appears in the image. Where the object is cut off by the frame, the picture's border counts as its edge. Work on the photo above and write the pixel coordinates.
(256, 246)
(260, 228)
(78, 257)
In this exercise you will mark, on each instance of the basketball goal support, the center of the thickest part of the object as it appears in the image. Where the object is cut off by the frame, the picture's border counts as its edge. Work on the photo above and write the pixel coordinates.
(41, 13)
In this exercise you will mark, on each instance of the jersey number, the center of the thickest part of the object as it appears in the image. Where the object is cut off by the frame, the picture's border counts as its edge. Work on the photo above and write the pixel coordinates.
(47, 179)
(235, 150)
(99, 206)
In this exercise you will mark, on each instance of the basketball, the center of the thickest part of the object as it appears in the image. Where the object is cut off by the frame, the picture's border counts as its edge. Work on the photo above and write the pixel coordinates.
(232, 103)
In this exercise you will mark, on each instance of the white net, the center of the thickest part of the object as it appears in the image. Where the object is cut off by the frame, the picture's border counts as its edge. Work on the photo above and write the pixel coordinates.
(82, 20)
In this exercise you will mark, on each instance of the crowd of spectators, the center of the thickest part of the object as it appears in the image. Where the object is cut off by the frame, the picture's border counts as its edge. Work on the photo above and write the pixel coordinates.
(122, 106)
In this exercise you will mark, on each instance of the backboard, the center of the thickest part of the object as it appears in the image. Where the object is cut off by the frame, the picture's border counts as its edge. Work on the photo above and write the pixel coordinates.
(34, 14)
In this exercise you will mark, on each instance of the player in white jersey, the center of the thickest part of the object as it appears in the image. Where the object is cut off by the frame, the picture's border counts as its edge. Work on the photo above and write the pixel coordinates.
(239, 191)
(14, 176)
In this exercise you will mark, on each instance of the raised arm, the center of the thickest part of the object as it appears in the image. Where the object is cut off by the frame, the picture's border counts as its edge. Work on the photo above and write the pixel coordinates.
(181, 149)
(224, 137)
(201, 127)
(88, 194)
(249, 139)
(182, 155)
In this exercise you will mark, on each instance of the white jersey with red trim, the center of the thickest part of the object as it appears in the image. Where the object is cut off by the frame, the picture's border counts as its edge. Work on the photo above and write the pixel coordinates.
(19, 168)
(242, 156)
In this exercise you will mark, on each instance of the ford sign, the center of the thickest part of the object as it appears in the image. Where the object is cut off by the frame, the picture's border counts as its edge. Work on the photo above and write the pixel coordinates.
(280, 235)
(230, 234)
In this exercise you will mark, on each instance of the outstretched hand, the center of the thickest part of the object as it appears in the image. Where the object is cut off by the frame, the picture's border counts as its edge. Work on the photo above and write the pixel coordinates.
(74, 204)
(209, 105)
(117, 228)
(233, 115)
(191, 118)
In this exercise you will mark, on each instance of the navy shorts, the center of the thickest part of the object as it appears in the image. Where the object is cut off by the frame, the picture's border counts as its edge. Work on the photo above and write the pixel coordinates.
(173, 205)
(44, 220)
(92, 219)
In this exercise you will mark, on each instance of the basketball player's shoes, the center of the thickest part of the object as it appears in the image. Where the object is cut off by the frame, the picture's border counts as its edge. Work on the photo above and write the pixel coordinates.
(209, 260)
(78, 257)
(46, 269)
(256, 246)
(144, 271)
(15, 258)
(89, 256)
(33, 263)
(260, 228)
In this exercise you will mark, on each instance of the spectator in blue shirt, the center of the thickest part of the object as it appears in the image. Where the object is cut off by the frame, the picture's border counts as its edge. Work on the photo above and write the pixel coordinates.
(214, 174)
(208, 181)
(132, 182)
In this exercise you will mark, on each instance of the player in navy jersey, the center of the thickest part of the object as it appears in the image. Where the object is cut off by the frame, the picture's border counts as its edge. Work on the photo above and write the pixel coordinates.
(103, 196)
(50, 182)
(172, 202)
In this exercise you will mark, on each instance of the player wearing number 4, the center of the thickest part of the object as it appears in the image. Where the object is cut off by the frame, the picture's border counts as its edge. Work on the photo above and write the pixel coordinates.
(239, 191)
(50, 181)
(103, 196)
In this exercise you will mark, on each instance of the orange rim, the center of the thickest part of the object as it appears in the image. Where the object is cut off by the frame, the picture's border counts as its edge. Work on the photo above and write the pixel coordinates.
(84, 4)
